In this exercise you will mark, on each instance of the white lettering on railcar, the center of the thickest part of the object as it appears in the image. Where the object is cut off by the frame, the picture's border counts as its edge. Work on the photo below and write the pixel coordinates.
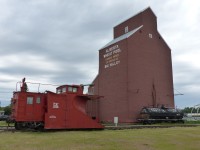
(52, 117)
(55, 105)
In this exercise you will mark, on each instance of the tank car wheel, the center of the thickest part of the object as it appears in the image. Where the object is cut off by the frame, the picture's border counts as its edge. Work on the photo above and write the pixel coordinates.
(145, 122)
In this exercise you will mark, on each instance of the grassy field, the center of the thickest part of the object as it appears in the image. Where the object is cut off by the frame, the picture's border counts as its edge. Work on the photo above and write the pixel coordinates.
(178, 138)
(3, 123)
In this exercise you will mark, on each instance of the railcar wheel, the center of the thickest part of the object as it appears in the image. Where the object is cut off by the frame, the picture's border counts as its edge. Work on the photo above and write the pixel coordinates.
(17, 126)
(40, 128)
(20, 125)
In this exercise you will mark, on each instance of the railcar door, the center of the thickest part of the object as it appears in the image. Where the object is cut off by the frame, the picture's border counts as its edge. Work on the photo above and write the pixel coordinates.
(39, 108)
(29, 108)
(34, 105)
(55, 117)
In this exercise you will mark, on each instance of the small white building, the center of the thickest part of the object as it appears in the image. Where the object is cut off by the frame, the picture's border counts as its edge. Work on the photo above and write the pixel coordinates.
(1, 112)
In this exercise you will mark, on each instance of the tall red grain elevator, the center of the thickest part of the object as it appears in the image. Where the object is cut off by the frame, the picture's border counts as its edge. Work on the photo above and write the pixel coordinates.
(135, 70)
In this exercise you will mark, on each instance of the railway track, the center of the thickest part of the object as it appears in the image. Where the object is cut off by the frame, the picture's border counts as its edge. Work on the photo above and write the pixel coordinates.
(122, 127)
(7, 128)
(111, 127)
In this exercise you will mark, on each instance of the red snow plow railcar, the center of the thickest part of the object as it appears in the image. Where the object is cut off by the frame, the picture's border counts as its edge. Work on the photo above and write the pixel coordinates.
(64, 109)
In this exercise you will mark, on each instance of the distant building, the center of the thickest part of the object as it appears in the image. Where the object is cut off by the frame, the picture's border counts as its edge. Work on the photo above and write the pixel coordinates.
(1, 113)
(135, 70)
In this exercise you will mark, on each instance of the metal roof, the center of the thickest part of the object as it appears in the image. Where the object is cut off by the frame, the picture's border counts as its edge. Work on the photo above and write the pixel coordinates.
(136, 15)
(122, 37)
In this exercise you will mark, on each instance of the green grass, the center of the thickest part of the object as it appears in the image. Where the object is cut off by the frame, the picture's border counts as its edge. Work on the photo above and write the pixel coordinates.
(178, 138)
(3, 123)
(192, 122)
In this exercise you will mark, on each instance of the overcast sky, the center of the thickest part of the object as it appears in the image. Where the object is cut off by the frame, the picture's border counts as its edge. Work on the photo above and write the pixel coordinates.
(57, 41)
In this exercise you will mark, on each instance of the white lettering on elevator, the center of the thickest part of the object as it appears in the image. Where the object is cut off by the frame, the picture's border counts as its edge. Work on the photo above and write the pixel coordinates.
(111, 56)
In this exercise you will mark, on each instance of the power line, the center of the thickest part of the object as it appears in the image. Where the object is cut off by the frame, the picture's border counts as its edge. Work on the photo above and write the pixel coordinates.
(178, 93)
(6, 92)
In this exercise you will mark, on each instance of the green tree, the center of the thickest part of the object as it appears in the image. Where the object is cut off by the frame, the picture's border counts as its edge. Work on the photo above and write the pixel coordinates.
(189, 109)
(1, 108)
(7, 110)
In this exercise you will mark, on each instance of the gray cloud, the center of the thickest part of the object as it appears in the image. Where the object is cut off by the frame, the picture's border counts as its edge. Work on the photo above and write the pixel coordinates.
(58, 41)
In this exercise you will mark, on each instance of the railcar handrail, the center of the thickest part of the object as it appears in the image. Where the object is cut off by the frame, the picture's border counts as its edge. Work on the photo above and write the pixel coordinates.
(20, 82)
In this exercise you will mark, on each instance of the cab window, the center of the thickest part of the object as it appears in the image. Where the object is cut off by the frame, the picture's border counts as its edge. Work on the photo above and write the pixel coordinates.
(64, 90)
(59, 91)
(69, 89)
(74, 90)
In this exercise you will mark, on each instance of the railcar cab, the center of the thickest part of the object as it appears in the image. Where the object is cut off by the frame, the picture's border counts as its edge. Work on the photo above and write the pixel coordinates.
(69, 89)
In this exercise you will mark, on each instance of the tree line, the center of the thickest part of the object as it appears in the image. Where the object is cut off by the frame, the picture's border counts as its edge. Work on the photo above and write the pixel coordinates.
(6, 109)
(189, 110)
